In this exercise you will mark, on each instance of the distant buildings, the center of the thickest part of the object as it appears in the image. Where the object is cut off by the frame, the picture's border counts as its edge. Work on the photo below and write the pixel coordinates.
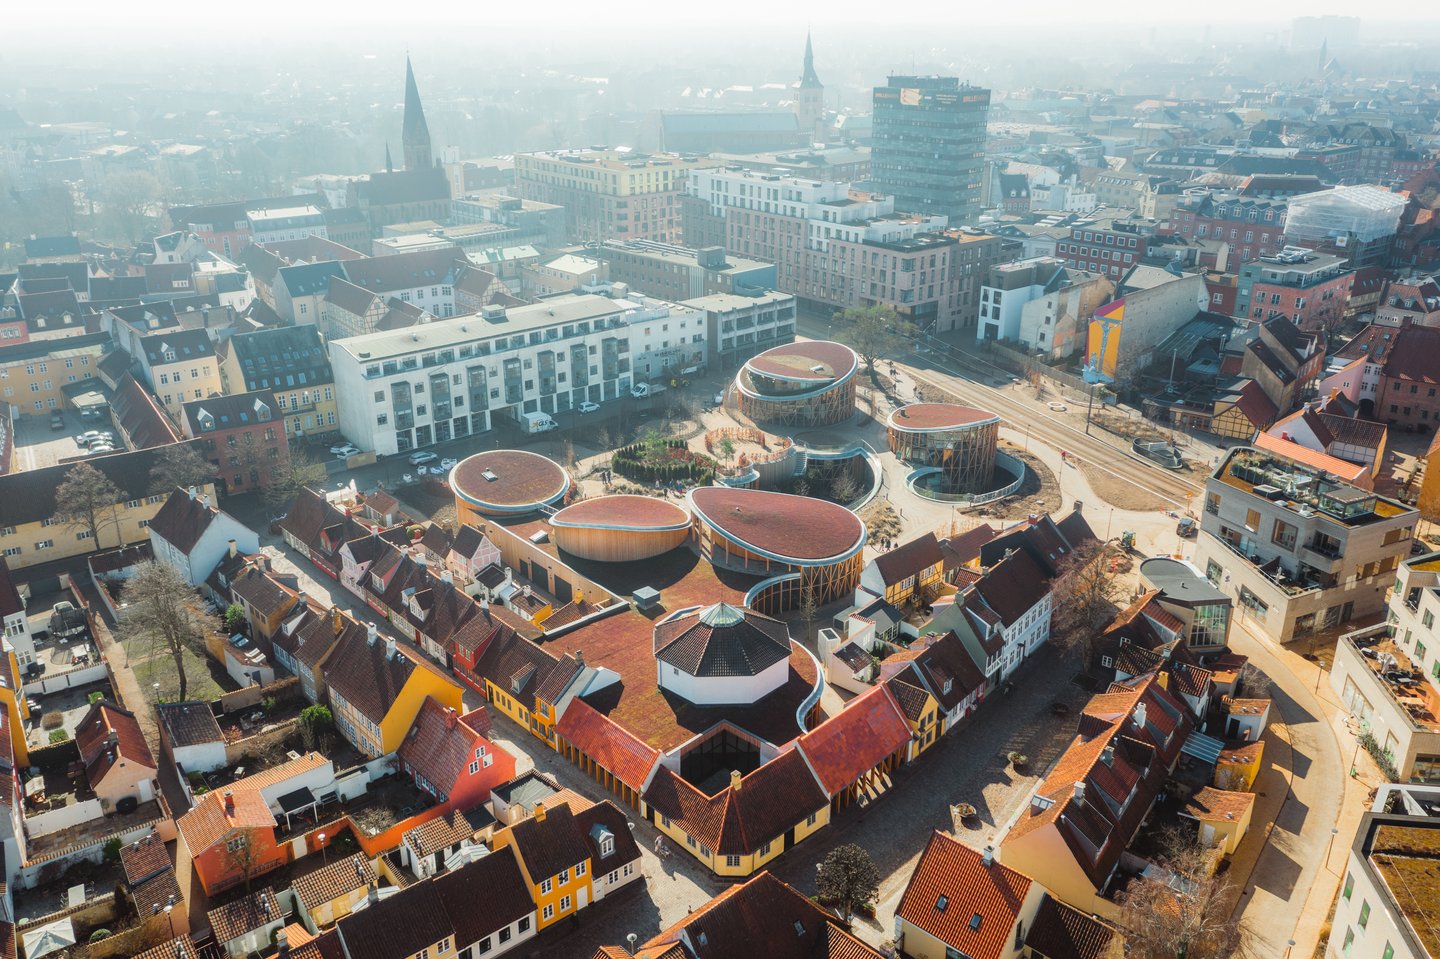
(835, 247)
(928, 147)
(609, 194)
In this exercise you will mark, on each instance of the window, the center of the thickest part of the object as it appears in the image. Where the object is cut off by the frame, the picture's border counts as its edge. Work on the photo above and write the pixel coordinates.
(1364, 914)
(1428, 619)
(474, 767)
(565, 903)
(1349, 886)
(580, 869)
(524, 925)
(732, 861)
(1252, 520)
(16, 551)
(546, 885)
(45, 544)
(811, 819)
(505, 933)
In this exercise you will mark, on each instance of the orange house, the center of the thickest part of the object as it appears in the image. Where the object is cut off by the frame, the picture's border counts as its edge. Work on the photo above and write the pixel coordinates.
(229, 838)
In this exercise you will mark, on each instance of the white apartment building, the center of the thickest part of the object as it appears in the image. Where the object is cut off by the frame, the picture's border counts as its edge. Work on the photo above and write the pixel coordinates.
(1388, 675)
(1390, 889)
(287, 223)
(433, 382)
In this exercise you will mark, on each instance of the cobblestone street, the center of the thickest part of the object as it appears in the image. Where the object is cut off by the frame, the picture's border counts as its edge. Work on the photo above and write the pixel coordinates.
(969, 765)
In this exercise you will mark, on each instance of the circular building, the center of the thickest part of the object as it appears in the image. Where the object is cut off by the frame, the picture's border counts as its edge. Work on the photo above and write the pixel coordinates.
(776, 534)
(620, 528)
(506, 483)
(959, 440)
(722, 655)
(799, 384)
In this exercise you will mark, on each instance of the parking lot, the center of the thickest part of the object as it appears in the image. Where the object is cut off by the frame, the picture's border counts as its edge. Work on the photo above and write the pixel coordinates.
(37, 445)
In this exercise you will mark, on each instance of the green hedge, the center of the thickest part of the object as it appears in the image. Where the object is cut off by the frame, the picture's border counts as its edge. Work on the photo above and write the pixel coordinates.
(664, 461)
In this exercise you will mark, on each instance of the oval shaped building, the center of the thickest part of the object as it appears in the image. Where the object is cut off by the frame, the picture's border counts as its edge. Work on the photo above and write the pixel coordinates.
(506, 483)
(810, 383)
(959, 440)
(776, 535)
(620, 528)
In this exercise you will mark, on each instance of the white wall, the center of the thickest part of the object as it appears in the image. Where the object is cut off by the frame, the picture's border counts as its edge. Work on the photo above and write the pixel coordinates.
(204, 758)
(43, 824)
(722, 690)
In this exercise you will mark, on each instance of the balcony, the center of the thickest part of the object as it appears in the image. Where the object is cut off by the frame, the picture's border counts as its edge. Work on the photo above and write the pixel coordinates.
(1394, 673)
(1327, 548)
(1276, 573)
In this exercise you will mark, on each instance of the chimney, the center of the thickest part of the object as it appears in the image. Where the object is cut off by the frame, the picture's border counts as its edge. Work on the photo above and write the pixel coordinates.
(337, 620)
(372, 893)
(1080, 791)
(389, 648)
(735, 779)
(580, 658)
(539, 812)
(301, 600)
(229, 803)
(205, 502)
(485, 608)
(579, 596)
(450, 718)
(194, 493)
(1140, 715)
(282, 944)
(371, 634)
(988, 858)
(448, 578)
(509, 576)
(420, 560)
(234, 549)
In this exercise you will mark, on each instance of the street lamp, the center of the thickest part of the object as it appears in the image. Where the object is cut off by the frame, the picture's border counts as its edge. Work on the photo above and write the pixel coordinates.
(1331, 847)
(1320, 671)
(324, 851)
(169, 919)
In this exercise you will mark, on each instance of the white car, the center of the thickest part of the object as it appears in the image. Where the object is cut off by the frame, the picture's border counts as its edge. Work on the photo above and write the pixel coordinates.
(588, 407)
(421, 457)
(345, 450)
(640, 390)
(448, 464)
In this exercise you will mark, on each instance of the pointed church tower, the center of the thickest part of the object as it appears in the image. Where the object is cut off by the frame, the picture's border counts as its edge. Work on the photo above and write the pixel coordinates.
(810, 98)
(415, 133)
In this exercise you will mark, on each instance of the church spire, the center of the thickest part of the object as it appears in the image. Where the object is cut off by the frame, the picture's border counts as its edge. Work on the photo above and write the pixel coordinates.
(389, 163)
(808, 78)
(415, 133)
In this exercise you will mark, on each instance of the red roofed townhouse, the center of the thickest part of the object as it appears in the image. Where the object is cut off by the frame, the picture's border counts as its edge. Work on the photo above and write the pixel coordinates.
(606, 750)
(963, 902)
(1084, 814)
(451, 757)
(244, 437)
(230, 837)
(854, 751)
(118, 763)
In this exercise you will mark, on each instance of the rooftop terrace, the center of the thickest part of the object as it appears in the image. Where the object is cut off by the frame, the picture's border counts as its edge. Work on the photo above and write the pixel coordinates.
(1304, 489)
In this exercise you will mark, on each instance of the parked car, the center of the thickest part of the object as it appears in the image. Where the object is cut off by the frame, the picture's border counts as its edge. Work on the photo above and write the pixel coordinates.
(640, 390)
(421, 457)
(407, 478)
(448, 464)
(588, 407)
(57, 421)
(344, 451)
(720, 398)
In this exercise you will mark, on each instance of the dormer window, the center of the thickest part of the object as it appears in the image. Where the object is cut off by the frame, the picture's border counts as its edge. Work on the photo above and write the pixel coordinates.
(948, 684)
(607, 846)
(942, 903)
(169, 356)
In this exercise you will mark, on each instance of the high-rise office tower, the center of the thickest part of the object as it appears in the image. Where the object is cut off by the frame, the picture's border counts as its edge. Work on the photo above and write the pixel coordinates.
(928, 146)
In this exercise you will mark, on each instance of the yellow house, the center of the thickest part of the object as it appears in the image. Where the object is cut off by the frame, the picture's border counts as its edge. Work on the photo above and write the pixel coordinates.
(915, 569)
(1429, 501)
(180, 366)
(1237, 768)
(1223, 816)
(740, 829)
(17, 712)
(555, 860)
(32, 375)
(921, 710)
(31, 534)
(292, 363)
(377, 687)
(332, 892)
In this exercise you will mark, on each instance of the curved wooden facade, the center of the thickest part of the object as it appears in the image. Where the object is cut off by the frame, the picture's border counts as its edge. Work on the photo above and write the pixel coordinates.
(799, 384)
(959, 440)
(620, 528)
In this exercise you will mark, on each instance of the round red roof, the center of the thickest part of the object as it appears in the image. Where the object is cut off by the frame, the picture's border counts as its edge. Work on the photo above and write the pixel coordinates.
(791, 528)
(810, 360)
(509, 480)
(938, 416)
(623, 511)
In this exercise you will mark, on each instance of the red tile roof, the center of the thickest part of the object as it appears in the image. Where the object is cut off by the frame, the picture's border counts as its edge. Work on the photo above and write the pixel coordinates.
(108, 736)
(860, 737)
(1218, 805)
(332, 881)
(144, 859)
(938, 416)
(607, 744)
(1416, 356)
(968, 905)
(440, 745)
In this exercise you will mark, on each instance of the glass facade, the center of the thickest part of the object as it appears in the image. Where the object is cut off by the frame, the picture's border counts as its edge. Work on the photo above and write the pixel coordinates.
(928, 146)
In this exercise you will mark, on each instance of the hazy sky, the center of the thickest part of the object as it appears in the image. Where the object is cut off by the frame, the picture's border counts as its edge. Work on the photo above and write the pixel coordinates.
(157, 19)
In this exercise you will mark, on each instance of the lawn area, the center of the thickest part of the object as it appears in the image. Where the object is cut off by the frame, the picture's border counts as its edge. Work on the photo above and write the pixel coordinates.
(153, 666)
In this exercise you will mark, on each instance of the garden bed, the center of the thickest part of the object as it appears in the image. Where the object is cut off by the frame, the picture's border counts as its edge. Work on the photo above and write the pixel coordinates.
(656, 460)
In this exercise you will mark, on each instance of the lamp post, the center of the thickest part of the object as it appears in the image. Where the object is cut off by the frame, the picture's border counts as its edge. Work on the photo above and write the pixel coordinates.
(169, 919)
(1330, 848)
(1320, 671)
(324, 851)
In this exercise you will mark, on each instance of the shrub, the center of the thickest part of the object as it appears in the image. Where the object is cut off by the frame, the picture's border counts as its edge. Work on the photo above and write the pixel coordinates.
(99, 934)
(112, 849)
(58, 736)
(663, 461)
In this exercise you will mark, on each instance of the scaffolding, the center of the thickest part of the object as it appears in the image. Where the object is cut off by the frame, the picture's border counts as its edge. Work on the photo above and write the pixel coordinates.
(1360, 213)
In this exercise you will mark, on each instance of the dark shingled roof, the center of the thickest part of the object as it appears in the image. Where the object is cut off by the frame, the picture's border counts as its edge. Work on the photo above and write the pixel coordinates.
(29, 497)
(183, 520)
(908, 559)
(549, 845)
(722, 640)
(1061, 932)
(189, 724)
(368, 676)
(485, 896)
(412, 919)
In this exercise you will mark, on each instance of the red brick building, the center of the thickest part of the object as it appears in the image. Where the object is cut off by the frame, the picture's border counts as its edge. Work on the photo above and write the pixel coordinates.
(244, 438)
(1311, 289)
(1252, 226)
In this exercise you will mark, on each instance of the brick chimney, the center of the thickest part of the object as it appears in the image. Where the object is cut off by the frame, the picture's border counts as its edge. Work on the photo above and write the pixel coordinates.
(450, 718)
(229, 803)
(234, 549)
(735, 778)
(539, 812)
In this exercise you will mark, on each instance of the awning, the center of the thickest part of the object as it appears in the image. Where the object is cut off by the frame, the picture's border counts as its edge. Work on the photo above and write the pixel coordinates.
(1202, 747)
(52, 937)
(297, 801)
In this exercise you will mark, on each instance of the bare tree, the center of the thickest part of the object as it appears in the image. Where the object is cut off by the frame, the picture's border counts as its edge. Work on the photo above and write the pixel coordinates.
(1186, 915)
(1083, 596)
(243, 855)
(844, 488)
(871, 331)
(180, 466)
(128, 197)
(291, 476)
(160, 615)
(85, 501)
(809, 608)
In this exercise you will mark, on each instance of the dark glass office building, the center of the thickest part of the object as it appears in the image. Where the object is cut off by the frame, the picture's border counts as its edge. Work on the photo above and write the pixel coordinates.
(928, 146)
